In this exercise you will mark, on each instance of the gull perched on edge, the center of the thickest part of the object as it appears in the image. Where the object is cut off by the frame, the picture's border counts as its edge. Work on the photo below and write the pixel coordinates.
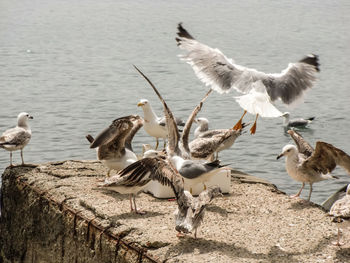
(340, 210)
(178, 151)
(17, 138)
(306, 165)
(201, 146)
(154, 125)
(214, 69)
(114, 143)
(298, 123)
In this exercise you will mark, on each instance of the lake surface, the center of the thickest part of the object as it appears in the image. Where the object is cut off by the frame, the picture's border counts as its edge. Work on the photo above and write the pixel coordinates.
(69, 64)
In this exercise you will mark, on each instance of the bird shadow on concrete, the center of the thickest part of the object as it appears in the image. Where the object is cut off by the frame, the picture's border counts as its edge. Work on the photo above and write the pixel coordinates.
(133, 215)
(276, 253)
(343, 254)
(302, 204)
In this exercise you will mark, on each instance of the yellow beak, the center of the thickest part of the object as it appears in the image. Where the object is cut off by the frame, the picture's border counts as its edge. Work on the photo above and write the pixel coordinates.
(140, 104)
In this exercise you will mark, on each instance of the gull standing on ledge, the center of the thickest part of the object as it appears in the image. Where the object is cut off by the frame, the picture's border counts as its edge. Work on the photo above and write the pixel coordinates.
(154, 125)
(214, 69)
(341, 212)
(306, 165)
(114, 143)
(17, 138)
(298, 123)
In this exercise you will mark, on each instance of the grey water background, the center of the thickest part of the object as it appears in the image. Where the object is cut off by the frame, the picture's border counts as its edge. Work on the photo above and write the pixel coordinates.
(69, 64)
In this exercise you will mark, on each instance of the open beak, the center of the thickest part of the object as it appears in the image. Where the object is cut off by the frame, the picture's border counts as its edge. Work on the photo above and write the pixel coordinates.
(140, 104)
(279, 156)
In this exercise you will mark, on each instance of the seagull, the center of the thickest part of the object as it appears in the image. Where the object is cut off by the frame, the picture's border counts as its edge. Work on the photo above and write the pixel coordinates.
(201, 146)
(17, 138)
(154, 125)
(134, 178)
(300, 122)
(178, 151)
(131, 180)
(340, 210)
(260, 89)
(306, 165)
(114, 143)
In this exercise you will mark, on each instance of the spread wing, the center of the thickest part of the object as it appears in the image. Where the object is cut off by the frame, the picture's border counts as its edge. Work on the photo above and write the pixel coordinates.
(214, 69)
(136, 127)
(326, 157)
(116, 133)
(173, 133)
(188, 125)
(147, 169)
(303, 146)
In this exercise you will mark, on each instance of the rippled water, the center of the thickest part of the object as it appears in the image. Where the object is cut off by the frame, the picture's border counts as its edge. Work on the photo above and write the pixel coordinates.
(69, 64)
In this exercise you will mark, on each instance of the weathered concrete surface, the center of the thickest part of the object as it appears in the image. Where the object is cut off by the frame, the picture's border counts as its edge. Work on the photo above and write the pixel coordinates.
(55, 213)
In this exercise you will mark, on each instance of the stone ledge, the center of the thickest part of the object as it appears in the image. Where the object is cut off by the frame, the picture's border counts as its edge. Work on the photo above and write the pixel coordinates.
(55, 213)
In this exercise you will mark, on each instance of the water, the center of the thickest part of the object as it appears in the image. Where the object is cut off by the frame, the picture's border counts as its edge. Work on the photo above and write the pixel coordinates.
(69, 64)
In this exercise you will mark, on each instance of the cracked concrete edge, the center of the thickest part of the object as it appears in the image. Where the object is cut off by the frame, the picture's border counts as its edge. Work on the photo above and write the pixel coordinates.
(123, 247)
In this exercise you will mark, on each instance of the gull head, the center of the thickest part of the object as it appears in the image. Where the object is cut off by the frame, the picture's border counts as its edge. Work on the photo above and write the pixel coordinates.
(201, 121)
(142, 103)
(22, 119)
(288, 150)
(285, 114)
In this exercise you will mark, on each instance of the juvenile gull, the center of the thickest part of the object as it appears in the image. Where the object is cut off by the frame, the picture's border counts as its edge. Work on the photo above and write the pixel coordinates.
(306, 165)
(201, 146)
(134, 178)
(154, 125)
(17, 138)
(298, 123)
(190, 210)
(340, 210)
(178, 150)
(214, 69)
(114, 143)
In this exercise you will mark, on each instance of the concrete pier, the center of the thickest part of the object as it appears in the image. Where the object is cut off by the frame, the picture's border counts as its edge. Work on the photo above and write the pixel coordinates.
(54, 212)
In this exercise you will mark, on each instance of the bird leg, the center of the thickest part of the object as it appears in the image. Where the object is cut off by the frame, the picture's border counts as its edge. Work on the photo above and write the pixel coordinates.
(195, 233)
(204, 187)
(164, 143)
(140, 212)
(308, 199)
(22, 156)
(338, 243)
(253, 128)
(238, 125)
(298, 194)
(11, 159)
(131, 208)
(109, 173)
(155, 148)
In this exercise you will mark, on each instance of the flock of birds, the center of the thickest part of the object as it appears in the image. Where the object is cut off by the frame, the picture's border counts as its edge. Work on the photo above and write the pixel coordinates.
(182, 163)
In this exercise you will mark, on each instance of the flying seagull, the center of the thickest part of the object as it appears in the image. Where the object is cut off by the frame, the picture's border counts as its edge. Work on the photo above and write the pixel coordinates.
(114, 143)
(298, 123)
(17, 138)
(193, 171)
(260, 89)
(306, 165)
(340, 210)
(154, 125)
